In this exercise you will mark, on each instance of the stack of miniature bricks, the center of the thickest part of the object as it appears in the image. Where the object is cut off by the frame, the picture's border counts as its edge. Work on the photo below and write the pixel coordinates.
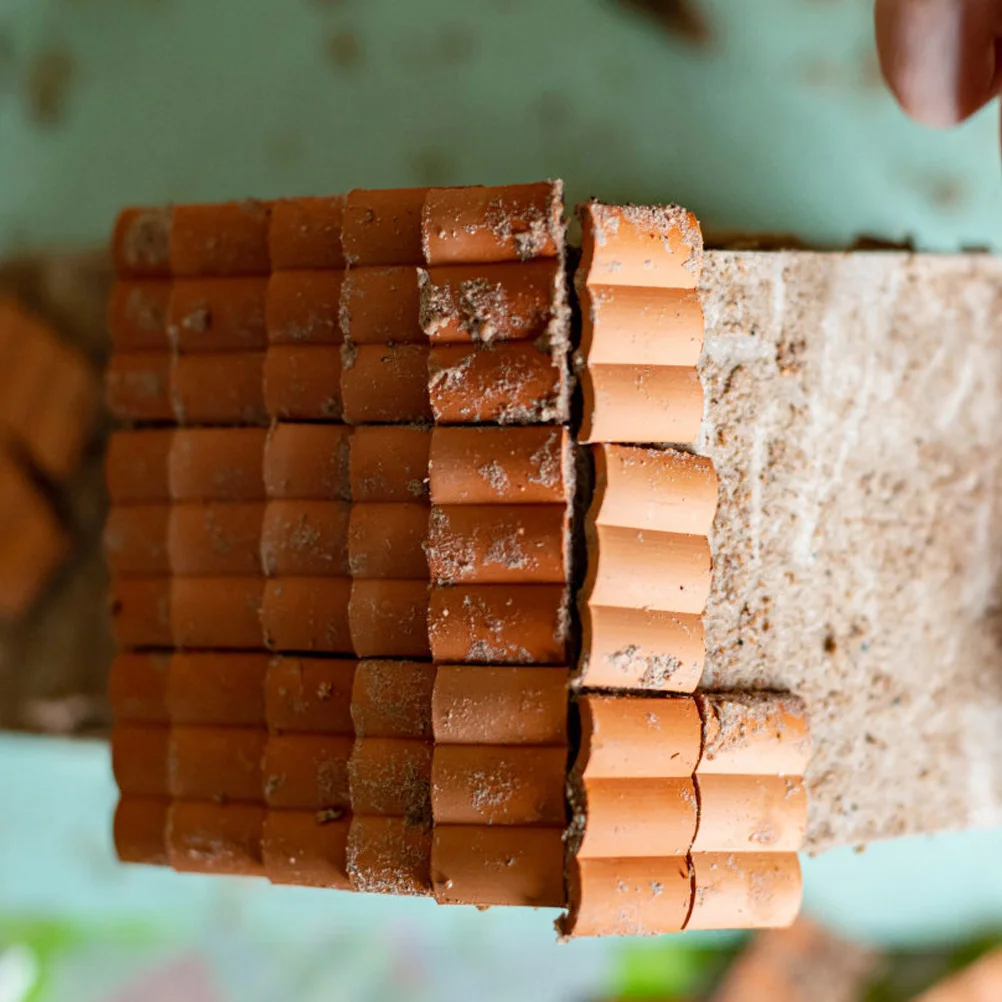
(48, 402)
(347, 528)
(342, 608)
(688, 810)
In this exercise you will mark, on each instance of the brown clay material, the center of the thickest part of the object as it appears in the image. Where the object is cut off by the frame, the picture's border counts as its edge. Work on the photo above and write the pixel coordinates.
(491, 785)
(135, 466)
(140, 612)
(215, 838)
(629, 325)
(137, 688)
(32, 543)
(755, 734)
(305, 538)
(135, 539)
(636, 738)
(383, 227)
(29, 353)
(381, 306)
(651, 247)
(303, 307)
(508, 705)
(499, 624)
(140, 830)
(502, 302)
(310, 695)
(390, 464)
(751, 814)
(308, 462)
(307, 772)
(498, 865)
(216, 763)
(660, 489)
(307, 615)
(306, 232)
(216, 613)
(641, 649)
(388, 541)
(389, 619)
(217, 314)
(745, 890)
(137, 315)
(223, 388)
(217, 464)
(393, 699)
(138, 387)
(386, 384)
(633, 817)
(499, 465)
(140, 244)
(634, 403)
(303, 382)
(31, 550)
(139, 759)
(499, 544)
(216, 539)
(518, 222)
(390, 777)
(230, 238)
(389, 856)
(676, 574)
(307, 848)
(509, 383)
(627, 897)
(217, 689)
(60, 422)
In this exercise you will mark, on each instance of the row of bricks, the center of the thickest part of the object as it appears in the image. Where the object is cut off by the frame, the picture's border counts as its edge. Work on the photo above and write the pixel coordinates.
(641, 496)
(392, 777)
(401, 305)
(632, 389)
(393, 227)
(452, 704)
(512, 383)
(49, 395)
(620, 738)
(451, 544)
(626, 395)
(478, 624)
(621, 816)
(647, 489)
(648, 772)
(477, 544)
(725, 855)
(457, 864)
(478, 865)
(529, 465)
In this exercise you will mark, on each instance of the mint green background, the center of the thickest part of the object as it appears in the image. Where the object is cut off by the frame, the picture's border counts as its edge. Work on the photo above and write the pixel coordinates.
(781, 125)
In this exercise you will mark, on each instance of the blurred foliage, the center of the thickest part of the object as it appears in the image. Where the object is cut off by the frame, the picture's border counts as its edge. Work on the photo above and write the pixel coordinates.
(666, 969)
(50, 941)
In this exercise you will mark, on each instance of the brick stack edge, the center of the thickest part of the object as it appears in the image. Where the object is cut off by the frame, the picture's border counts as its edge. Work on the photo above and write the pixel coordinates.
(349, 587)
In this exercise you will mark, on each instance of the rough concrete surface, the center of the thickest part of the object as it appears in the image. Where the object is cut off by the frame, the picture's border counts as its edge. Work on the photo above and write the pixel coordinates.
(854, 411)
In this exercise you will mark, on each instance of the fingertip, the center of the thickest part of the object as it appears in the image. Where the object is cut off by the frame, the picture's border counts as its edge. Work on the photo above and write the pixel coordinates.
(938, 57)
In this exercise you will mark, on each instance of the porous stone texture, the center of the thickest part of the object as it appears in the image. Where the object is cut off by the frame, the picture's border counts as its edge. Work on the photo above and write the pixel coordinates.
(854, 413)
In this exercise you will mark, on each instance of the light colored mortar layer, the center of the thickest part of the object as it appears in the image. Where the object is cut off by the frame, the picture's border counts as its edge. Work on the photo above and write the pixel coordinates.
(854, 412)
